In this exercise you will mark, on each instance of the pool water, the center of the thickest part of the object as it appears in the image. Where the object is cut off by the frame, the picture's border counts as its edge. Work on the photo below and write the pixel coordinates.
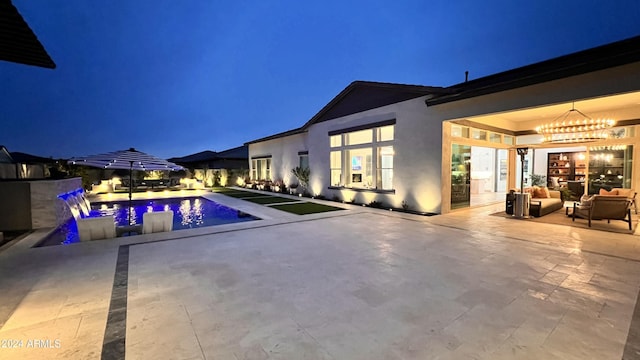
(188, 213)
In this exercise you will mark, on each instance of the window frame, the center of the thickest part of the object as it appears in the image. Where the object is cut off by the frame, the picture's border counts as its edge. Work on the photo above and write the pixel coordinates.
(258, 169)
(374, 147)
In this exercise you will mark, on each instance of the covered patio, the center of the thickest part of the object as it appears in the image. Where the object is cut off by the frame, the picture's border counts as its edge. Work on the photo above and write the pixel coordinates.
(587, 99)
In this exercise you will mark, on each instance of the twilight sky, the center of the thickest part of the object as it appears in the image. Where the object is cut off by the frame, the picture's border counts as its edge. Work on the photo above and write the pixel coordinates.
(173, 78)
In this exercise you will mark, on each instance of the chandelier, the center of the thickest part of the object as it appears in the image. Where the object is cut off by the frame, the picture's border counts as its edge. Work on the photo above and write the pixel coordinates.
(574, 126)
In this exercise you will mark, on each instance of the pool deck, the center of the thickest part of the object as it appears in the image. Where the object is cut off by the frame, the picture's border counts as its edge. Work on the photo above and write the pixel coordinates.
(356, 284)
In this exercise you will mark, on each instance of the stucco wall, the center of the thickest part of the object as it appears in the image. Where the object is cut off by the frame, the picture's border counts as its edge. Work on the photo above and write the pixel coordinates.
(284, 155)
(416, 164)
(421, 176)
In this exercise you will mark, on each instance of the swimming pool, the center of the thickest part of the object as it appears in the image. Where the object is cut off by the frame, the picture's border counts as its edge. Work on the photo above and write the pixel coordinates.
(188, 213)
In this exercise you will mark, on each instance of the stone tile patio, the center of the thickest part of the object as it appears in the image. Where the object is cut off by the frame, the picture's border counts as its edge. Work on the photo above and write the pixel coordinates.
(361, 284)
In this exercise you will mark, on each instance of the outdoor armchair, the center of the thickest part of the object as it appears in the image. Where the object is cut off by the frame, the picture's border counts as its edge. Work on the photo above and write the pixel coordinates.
(601, 207)
(630, 193)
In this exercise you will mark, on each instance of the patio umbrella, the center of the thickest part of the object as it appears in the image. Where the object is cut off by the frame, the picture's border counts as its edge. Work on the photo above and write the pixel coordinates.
(131, 159)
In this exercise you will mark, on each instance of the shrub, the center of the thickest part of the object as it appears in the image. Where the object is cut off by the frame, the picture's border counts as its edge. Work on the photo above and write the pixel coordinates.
(375, 204)
(336, 198)
(303, 174)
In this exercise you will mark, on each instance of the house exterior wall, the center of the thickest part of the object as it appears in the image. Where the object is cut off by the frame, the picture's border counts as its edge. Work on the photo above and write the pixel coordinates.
(23, 171)
(617, 80)
(416, 164)
(422, 138)
(284, 155)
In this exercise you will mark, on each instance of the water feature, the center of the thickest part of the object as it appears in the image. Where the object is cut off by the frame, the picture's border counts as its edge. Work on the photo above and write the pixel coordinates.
(77, 202)
(189, 213)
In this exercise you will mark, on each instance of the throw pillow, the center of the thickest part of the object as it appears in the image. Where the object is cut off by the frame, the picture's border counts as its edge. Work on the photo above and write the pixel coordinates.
(541, 192)
(605, 192)
(547, 195)
(623, 192)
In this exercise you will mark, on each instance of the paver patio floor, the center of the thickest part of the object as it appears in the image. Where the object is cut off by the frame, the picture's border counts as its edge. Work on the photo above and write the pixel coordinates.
(362, 284)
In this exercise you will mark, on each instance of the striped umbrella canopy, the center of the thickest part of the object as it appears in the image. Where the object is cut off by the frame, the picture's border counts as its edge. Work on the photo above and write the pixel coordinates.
(131, 159)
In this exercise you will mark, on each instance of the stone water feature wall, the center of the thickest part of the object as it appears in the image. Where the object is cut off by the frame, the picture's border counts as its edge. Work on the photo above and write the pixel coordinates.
(28, 205)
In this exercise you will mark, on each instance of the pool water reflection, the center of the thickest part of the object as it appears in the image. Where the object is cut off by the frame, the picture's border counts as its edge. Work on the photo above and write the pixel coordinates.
(188, 213)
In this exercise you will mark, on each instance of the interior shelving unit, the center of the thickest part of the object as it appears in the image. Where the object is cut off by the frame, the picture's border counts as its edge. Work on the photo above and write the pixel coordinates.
(566, 166)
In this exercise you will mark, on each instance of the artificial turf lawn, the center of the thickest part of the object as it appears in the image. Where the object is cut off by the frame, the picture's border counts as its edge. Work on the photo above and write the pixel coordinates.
(223, 189)
(269, 200)
(305, 208)
(236, 193)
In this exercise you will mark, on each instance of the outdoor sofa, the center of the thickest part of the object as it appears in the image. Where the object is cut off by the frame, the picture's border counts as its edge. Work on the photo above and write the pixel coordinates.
(544, 201)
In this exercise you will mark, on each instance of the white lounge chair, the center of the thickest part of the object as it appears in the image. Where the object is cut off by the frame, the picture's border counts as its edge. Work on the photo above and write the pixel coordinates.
(153, 222)
(96, 228)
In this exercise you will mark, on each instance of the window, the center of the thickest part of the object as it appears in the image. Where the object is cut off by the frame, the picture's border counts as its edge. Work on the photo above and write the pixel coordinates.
(479, 134)
(304, 160)
(359, 173)
(261, 169)
(385, 133)
(385, 168)
(365, 161)
(459, 131)
(335, 140)
(358, 137)
(508, 140)
(336, 168)
(495, 138)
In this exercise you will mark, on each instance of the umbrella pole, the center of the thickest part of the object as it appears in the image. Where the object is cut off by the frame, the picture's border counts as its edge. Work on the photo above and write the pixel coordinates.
(130, 190)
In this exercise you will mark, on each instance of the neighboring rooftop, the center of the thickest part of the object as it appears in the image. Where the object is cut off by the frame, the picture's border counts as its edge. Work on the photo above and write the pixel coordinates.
(208, 156)
(18, 43)
(278, 135)
(5, 156)
(24, 158)
(240, 152)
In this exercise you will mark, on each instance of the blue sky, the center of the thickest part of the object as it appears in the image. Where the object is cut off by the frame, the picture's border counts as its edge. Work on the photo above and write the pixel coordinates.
(176, 77)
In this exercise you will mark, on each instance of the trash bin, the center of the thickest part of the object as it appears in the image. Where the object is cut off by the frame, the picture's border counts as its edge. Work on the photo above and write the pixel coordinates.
(521, 207)
(511, 198)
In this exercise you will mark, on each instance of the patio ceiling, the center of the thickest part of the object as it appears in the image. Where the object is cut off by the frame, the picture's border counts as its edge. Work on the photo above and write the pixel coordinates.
(18, 43)
(619, 107)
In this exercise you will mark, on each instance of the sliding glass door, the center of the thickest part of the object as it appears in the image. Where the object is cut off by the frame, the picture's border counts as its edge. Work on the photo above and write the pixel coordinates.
(610, 167)
(460, 176)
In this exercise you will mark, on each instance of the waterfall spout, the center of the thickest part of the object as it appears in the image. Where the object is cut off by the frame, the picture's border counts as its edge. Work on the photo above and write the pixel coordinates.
(78, 204)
